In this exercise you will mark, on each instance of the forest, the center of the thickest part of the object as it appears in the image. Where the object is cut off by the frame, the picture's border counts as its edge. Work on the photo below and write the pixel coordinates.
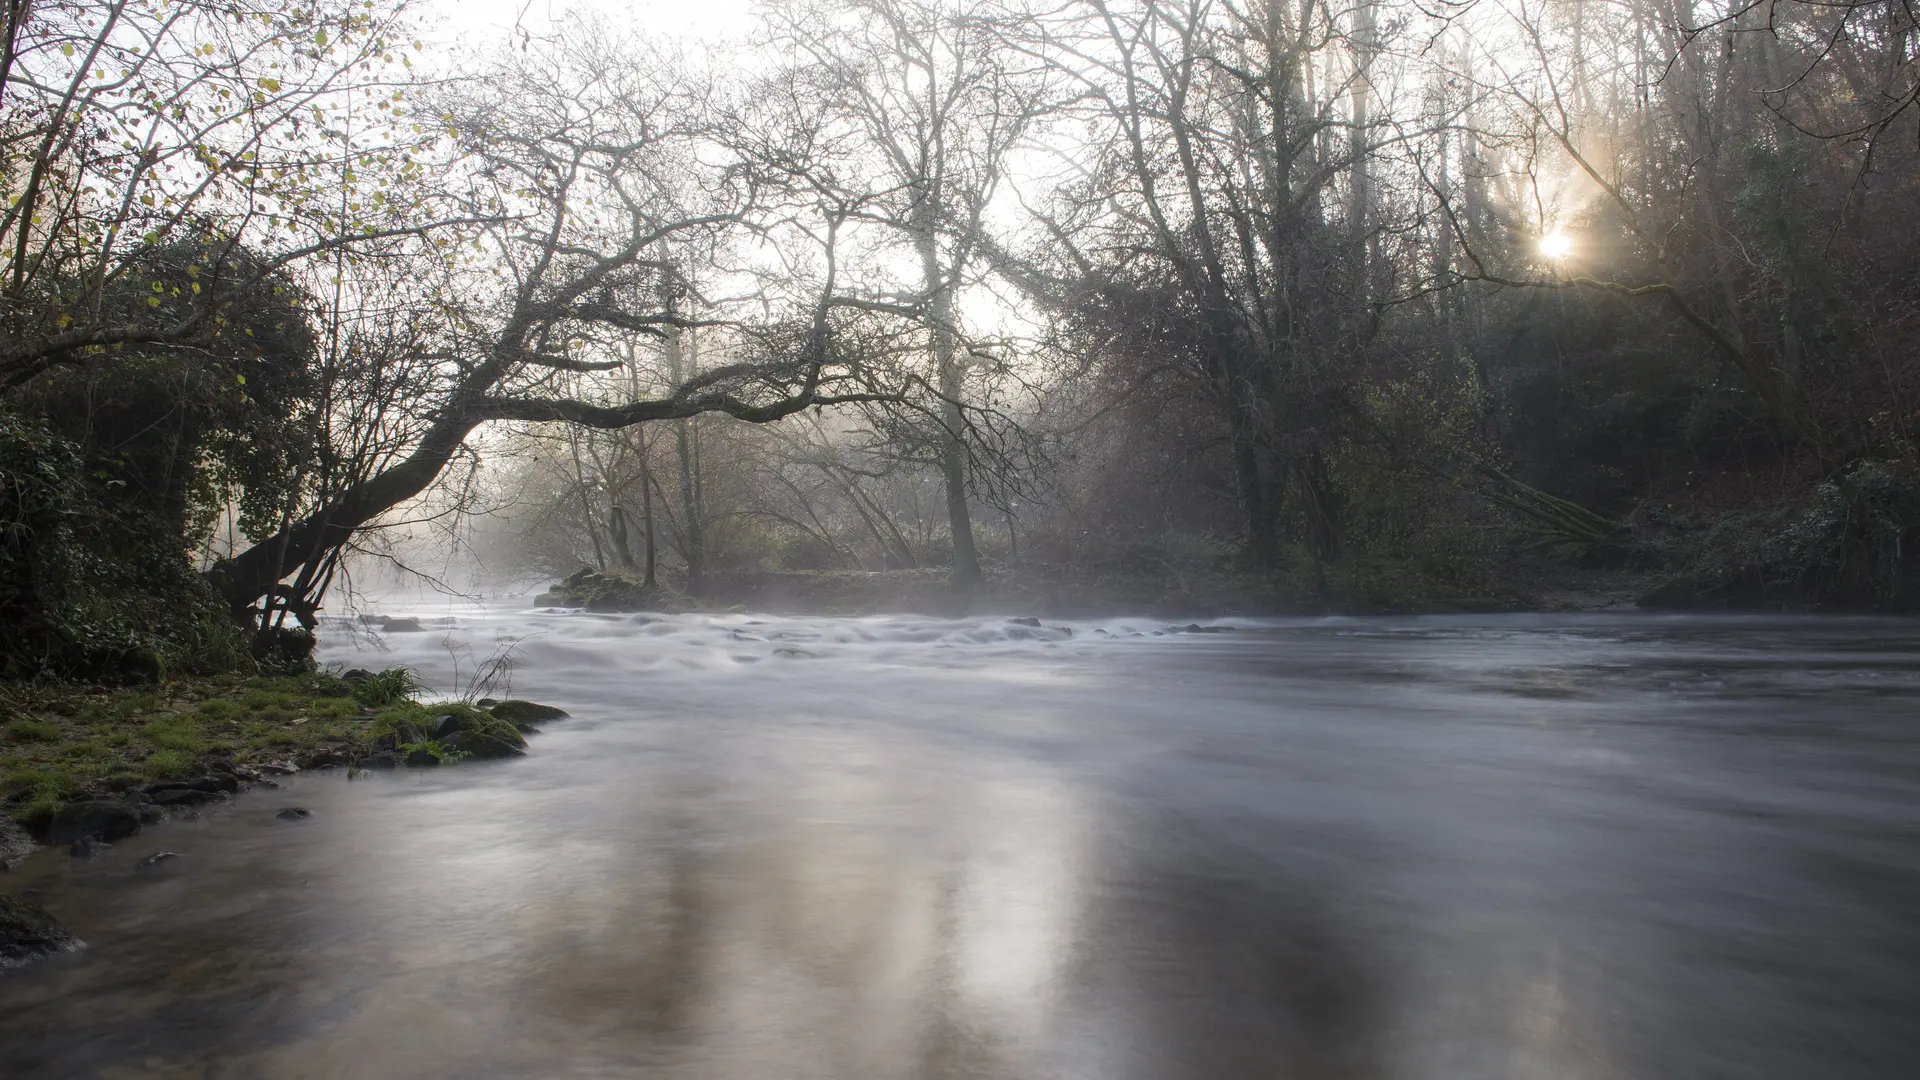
(1279, 305)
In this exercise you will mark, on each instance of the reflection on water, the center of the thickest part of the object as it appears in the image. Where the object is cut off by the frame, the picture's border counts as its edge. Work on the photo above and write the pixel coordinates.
(1577, 849)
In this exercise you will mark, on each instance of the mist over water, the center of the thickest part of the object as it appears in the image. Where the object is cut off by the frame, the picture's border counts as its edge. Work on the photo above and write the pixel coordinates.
(912, 847)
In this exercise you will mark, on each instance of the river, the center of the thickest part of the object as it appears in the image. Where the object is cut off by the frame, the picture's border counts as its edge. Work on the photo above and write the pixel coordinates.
(1554, 847)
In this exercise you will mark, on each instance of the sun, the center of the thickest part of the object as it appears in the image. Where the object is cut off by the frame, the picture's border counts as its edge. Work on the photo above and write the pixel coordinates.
(1556, 245)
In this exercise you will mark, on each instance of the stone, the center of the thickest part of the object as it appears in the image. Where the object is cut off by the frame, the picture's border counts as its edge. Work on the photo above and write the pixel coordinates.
(407, 734)
(277, 768)
(480, 744)
(87, 847)
(445, 726)
(401, 626)
(328, 759)
(186, 796)
(15, 842)
(525, 712)
(423, 757)
(294, 813)
(136, 798)
(93, 817)
(1028, 621)
(185, 813)
(157, 858)
(379, 759)
(358, 674)
(152, 815)
(28, 932)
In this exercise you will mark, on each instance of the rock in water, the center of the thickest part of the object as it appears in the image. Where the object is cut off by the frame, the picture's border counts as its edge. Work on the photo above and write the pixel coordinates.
(481, 744)
(15, 844)
(294, 813)
(87, 847)
(93, 817)
(28, 932)
(422, 756)
(158, 857)
(186, 797)
(379, 759)
(525, 712)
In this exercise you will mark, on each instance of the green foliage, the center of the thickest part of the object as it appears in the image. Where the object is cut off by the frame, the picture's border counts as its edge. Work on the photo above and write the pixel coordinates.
(387, 687)
(169, 764)
(175, 731)
(27, 729)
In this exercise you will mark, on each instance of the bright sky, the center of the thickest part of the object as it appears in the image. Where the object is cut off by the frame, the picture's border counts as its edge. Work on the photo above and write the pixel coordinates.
(487, 22)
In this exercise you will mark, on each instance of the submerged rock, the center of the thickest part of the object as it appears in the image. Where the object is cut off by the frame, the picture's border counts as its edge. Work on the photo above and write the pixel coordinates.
(28, 932)
(108, 820)
(87, 847)
(157, 858)
(294, 813)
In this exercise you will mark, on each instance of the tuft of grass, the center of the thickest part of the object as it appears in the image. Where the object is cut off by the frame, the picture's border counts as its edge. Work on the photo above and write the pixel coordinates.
(220, 709)
(388, 687)
(169, 764)
(27, 729)
(175, 731)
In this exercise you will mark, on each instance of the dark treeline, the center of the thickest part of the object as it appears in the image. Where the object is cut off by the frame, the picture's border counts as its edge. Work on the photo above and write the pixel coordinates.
(1367, 304)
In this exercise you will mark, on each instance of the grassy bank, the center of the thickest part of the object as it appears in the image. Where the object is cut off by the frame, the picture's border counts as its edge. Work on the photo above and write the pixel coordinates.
(65, 742)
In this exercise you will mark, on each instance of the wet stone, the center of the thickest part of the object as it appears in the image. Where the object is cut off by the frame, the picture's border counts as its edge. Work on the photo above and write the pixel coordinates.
(29, 932)
(87, 847)
(294, 813)
(186, 796)
(514, 711)
(108, 820)
(423, 757)
(384, 759)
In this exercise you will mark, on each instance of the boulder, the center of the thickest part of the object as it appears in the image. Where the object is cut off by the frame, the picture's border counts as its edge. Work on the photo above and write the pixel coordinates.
(524, 712)
(15, 842)
(87, 847)
(401, 626)
(108, 820)
(379, 759)
(422, 757)
(481, 744)
(327, 759)
(28, 932)
(358, 674)
(294, 813)
(187, 796)
(152, 815)
(445, 726)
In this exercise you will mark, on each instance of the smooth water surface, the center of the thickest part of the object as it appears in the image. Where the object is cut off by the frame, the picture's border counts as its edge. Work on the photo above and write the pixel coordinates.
(1472, 849)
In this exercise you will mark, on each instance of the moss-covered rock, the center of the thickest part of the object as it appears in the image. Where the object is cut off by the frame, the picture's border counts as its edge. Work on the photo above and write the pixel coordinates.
(28, 932)
(520, 713)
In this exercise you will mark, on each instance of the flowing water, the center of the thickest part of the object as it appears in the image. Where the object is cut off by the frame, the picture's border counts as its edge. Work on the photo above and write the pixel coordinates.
(1457, 849)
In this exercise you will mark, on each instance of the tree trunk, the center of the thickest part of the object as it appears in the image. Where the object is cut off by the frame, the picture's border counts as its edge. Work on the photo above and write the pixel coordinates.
(953, 449)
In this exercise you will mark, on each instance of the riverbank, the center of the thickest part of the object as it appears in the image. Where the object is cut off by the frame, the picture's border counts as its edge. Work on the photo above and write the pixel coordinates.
(84, 762)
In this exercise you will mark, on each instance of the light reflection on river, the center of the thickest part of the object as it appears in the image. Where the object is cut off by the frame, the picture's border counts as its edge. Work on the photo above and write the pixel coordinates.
(1577, 848)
